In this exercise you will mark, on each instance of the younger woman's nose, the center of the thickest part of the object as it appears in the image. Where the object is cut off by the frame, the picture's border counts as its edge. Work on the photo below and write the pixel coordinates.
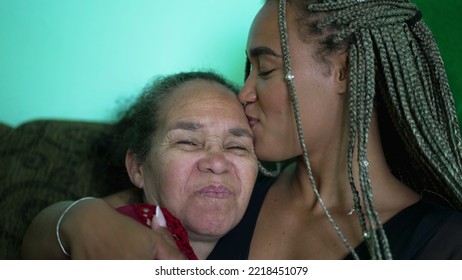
(247, 94)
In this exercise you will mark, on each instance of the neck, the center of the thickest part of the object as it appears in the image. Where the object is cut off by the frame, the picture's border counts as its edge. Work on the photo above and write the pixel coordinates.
(202, 248)
(329, 169)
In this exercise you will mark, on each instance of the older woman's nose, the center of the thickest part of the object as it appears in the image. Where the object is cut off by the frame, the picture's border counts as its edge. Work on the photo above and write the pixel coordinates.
(214, 161)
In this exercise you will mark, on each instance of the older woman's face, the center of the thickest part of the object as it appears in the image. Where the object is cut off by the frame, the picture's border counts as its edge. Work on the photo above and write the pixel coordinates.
(202, 165)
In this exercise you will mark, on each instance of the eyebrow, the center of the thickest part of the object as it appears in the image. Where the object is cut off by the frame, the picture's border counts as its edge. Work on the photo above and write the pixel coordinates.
(187, 126)
(239, 132)
(193, 126)
(255, 52)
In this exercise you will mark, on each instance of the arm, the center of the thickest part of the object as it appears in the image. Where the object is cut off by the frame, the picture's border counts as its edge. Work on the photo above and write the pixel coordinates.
(40, 241)
(92, 229)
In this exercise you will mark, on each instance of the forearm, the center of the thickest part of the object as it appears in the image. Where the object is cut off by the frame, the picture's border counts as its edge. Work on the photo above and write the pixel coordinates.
(92, 229)
(40, 240)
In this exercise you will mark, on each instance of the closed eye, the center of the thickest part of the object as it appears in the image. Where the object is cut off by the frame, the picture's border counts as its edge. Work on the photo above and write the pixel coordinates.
(237, 148)
(264, 74)
(187, 142)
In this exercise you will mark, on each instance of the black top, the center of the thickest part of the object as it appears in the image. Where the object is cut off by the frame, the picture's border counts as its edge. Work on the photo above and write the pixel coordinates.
(424, 230)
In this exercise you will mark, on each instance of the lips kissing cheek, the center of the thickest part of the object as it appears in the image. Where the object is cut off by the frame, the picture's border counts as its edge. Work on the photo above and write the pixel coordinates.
(252, 121)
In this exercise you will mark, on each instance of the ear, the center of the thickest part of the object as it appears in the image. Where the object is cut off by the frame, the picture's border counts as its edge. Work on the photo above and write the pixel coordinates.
(134, 170)
(340, 64)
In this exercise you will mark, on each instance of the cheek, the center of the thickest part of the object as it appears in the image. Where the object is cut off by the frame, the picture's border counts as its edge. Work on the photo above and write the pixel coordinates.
(276, 106)
(277, 130)
(247, 173)
(174, 173)
(273, 96)
(319, 109)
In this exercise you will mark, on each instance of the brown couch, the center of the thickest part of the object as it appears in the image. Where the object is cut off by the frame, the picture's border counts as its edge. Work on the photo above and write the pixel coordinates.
(42, 162)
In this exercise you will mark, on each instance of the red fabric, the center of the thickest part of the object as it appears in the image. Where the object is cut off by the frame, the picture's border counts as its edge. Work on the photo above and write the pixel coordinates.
(143, 213)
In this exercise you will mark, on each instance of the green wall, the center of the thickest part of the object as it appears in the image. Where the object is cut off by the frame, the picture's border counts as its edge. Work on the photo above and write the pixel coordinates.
(445, 20)
(80, 59)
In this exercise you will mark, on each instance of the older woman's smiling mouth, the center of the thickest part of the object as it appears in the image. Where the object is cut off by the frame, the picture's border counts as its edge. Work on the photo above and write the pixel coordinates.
(215, 191)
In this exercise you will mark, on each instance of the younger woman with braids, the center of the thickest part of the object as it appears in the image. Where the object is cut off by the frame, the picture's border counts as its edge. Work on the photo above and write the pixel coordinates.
(352, 96)
(356, 91)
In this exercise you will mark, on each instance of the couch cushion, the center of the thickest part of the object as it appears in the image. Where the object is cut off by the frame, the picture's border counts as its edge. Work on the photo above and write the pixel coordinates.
(42, 162)
(5, 130)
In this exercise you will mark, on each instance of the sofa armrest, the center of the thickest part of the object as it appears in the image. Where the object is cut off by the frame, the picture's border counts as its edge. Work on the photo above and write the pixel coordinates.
(42, 162)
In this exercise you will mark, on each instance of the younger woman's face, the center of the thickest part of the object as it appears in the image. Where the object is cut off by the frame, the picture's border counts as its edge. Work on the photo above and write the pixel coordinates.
(269, 108)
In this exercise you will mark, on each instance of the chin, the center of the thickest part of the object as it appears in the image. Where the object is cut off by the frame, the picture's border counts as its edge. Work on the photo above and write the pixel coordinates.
(211, 225)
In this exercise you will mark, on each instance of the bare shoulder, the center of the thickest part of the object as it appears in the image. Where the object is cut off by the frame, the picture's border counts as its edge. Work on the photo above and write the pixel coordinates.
(121, 198)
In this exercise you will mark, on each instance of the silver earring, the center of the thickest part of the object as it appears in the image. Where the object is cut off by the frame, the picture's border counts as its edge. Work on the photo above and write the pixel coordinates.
(244, 104)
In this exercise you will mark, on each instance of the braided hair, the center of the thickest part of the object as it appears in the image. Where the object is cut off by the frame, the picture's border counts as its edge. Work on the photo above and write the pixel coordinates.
(396, 69)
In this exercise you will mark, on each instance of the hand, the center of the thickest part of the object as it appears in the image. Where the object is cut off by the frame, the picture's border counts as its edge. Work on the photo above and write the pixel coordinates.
(94, 230)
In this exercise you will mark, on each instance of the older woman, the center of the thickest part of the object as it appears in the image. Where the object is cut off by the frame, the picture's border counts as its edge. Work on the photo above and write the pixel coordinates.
(190, 149)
